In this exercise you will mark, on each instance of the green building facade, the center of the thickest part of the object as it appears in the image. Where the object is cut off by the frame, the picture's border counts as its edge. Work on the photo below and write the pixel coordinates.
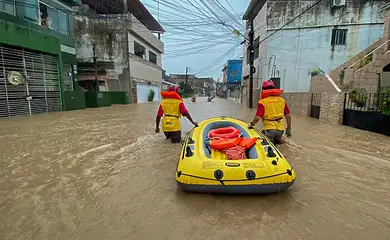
(38, 66)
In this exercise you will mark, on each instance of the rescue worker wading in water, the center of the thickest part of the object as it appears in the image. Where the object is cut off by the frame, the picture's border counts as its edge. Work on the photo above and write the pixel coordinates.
(171, 109)
(272, 109)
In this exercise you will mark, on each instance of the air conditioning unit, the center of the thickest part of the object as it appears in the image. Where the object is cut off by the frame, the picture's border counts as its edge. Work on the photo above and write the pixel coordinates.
(338, 3)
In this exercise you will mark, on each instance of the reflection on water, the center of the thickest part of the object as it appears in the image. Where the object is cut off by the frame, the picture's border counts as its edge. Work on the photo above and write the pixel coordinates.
(104, 174)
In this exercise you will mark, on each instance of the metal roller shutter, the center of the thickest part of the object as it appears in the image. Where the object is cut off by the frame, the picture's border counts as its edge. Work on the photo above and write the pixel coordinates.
(40, 91)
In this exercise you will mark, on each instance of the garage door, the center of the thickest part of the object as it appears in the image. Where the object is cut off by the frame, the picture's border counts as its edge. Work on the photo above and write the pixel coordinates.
(29, 82)
(143, 91)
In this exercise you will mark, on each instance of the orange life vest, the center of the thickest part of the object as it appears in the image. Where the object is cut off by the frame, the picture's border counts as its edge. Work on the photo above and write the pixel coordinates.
(248, 143)
(171, 94)
(222, 144)
(271, 92)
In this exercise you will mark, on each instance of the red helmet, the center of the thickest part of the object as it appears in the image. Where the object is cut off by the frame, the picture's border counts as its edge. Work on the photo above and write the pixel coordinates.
(268, 84)
(173, 88)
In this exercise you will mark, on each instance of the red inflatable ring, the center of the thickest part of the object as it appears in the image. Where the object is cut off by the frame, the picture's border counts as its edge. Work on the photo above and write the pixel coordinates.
(224, 133)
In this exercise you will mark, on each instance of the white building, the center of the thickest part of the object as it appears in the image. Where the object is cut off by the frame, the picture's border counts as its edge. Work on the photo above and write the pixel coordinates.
(324, 37)
(122, 41)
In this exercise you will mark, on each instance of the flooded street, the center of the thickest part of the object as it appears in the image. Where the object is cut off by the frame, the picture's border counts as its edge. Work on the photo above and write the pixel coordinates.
(104, 174)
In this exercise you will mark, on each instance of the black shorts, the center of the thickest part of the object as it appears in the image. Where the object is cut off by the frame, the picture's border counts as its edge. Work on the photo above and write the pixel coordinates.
(273, 135)
(174, 136)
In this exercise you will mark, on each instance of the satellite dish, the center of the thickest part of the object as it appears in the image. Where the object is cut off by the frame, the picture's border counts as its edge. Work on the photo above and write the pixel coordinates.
(15, 78)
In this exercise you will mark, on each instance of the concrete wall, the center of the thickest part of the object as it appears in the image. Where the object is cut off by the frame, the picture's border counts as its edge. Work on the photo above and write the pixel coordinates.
(385, 79)
(354, 11)
(305, 43)
(139, 29)
(299, 103)
(301, 50)
(321, 83)
(332, 105)
(108, 33)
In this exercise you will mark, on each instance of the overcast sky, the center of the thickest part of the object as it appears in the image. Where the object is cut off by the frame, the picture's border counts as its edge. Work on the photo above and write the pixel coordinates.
(194, 38)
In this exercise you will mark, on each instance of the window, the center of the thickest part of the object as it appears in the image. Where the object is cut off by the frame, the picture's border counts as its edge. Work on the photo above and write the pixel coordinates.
(63, 23)
(152, 57)
(339, 37)
(139, 50)
(30, 10)
(8, 6)
(48, 17)
(233, 73)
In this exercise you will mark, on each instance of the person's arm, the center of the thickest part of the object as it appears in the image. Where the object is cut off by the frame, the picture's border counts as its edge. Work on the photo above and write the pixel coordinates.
(288, 120)
(259, 114)
(160, 113)
(184, 112)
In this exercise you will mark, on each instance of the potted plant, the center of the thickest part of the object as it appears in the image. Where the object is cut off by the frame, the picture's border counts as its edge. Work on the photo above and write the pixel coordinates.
(315, 72)
(151, 95)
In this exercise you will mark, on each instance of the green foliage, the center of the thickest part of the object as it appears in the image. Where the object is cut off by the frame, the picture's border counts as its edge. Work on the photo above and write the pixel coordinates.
(359, 97)
(151, 95)
(365, 61)
(185, 90)
(385, 107)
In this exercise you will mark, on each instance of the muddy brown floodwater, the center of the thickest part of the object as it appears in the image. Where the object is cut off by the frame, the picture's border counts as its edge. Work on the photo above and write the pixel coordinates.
(104, 174)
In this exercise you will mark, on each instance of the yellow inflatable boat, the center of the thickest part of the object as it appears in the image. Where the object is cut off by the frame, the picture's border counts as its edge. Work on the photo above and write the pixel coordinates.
(202, 169)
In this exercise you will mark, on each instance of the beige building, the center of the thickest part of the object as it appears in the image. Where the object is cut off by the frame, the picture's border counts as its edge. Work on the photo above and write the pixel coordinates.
(119, 42)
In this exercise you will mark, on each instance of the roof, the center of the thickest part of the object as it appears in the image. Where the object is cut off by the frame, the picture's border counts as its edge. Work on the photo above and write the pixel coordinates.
(253, 9)
(135, 7)
(168, 83)
(71, 2)
(385, 7)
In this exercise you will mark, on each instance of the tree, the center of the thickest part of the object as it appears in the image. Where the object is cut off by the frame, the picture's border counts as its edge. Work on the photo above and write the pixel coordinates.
(185, 89)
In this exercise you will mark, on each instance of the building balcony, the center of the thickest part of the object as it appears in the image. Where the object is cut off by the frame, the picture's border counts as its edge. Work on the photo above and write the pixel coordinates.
(133, 25)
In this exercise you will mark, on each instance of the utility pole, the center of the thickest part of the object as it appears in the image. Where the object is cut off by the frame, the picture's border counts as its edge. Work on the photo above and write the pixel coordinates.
(126, 12)
(251, 59)
(95, 66)
(186, 75)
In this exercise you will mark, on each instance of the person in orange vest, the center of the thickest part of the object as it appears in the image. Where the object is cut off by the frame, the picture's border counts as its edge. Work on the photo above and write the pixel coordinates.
(272, 109)
(171, 109)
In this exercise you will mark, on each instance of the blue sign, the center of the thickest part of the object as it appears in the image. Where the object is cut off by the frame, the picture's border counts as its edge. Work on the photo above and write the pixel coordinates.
(234, 72)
